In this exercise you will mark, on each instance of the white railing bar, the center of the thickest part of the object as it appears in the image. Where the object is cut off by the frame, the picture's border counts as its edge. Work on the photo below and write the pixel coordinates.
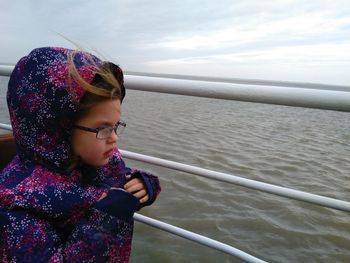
(5, 127)
(252, 184)
(197, 238)
(289, 96)
(6, 70)
(276, 83)
(297, 97)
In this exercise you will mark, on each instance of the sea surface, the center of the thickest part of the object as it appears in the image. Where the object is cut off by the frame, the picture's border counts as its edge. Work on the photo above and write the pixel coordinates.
(299, 148)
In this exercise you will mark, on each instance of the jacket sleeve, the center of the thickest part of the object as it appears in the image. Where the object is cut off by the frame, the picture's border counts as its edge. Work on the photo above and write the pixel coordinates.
(103, 234)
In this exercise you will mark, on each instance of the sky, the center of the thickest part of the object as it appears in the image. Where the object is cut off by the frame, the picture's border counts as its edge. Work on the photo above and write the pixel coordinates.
(284, 40)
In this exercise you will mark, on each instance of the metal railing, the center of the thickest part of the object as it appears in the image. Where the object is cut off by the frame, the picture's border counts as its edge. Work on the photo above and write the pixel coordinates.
(292, 94)
(329, 97)
(248, 183)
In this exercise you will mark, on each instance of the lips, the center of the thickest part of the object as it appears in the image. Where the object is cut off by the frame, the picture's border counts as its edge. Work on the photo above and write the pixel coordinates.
(109, 153)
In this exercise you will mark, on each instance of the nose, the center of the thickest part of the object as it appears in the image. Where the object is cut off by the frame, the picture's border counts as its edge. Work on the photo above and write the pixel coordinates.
(113, 138)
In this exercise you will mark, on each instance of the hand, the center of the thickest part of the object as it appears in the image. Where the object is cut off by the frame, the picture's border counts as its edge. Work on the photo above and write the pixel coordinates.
(137, 188)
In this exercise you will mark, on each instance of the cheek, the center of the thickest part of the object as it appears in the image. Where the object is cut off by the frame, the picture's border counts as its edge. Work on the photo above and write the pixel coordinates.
(89, 149)
(93, 154)
(82, 142)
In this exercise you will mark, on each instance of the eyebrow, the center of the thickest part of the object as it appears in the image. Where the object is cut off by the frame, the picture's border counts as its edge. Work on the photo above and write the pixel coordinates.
(104, 123)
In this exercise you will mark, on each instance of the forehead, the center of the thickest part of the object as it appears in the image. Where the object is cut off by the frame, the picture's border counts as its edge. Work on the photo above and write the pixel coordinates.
(104, 112)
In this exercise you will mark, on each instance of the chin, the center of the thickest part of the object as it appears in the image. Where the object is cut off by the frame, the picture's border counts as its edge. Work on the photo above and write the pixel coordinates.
(103, 163)
(99, 164)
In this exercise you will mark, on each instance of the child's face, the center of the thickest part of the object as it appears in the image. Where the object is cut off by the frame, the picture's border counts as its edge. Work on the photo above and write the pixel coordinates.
(93, 151)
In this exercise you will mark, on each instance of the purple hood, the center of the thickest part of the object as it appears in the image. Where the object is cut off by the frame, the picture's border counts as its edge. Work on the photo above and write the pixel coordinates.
(42, 102)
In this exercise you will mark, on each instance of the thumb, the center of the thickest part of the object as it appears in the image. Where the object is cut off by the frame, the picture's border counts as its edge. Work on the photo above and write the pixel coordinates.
(102, 196)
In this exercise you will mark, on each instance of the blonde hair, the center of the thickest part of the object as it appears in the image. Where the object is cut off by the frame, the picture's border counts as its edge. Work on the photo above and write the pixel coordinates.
(105, 85)
(112, 88)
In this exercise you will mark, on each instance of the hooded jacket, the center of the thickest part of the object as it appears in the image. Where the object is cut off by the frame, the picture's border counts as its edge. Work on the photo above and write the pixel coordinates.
(48, 211)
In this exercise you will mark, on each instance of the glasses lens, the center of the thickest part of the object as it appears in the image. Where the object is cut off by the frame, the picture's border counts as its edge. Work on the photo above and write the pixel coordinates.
(104, 133)
(107, 132)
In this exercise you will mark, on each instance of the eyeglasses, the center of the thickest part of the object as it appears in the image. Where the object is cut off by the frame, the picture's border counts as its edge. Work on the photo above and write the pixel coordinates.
(104, 132)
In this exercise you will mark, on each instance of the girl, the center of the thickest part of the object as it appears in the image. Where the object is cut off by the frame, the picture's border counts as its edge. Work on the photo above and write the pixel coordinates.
(67, 195)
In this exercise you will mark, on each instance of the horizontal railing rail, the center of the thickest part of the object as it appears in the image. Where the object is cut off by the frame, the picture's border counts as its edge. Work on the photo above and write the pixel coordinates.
(6, 127)
(5, 70)
(260, 82)
(248, 183)
(197, 238)
(299, 96)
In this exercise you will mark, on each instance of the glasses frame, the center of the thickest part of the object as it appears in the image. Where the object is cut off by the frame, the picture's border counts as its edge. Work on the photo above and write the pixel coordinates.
(97, 130)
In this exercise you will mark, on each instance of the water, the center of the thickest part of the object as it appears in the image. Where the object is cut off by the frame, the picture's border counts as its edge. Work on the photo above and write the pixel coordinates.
(305, 149)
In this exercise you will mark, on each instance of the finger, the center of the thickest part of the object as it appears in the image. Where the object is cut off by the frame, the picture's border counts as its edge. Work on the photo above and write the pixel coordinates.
(144, 199)
(102, 196)
(140, 194)
(134, 188)
(128, 177)
(132, 182)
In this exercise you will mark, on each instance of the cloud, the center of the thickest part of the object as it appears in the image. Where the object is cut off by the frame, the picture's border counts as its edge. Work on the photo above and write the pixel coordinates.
(318, 53)
(292, 29)
(160, 35)
(323, 63)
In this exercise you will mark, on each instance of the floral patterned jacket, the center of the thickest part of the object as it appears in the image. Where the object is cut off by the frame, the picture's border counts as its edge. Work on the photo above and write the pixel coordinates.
(48, 211)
